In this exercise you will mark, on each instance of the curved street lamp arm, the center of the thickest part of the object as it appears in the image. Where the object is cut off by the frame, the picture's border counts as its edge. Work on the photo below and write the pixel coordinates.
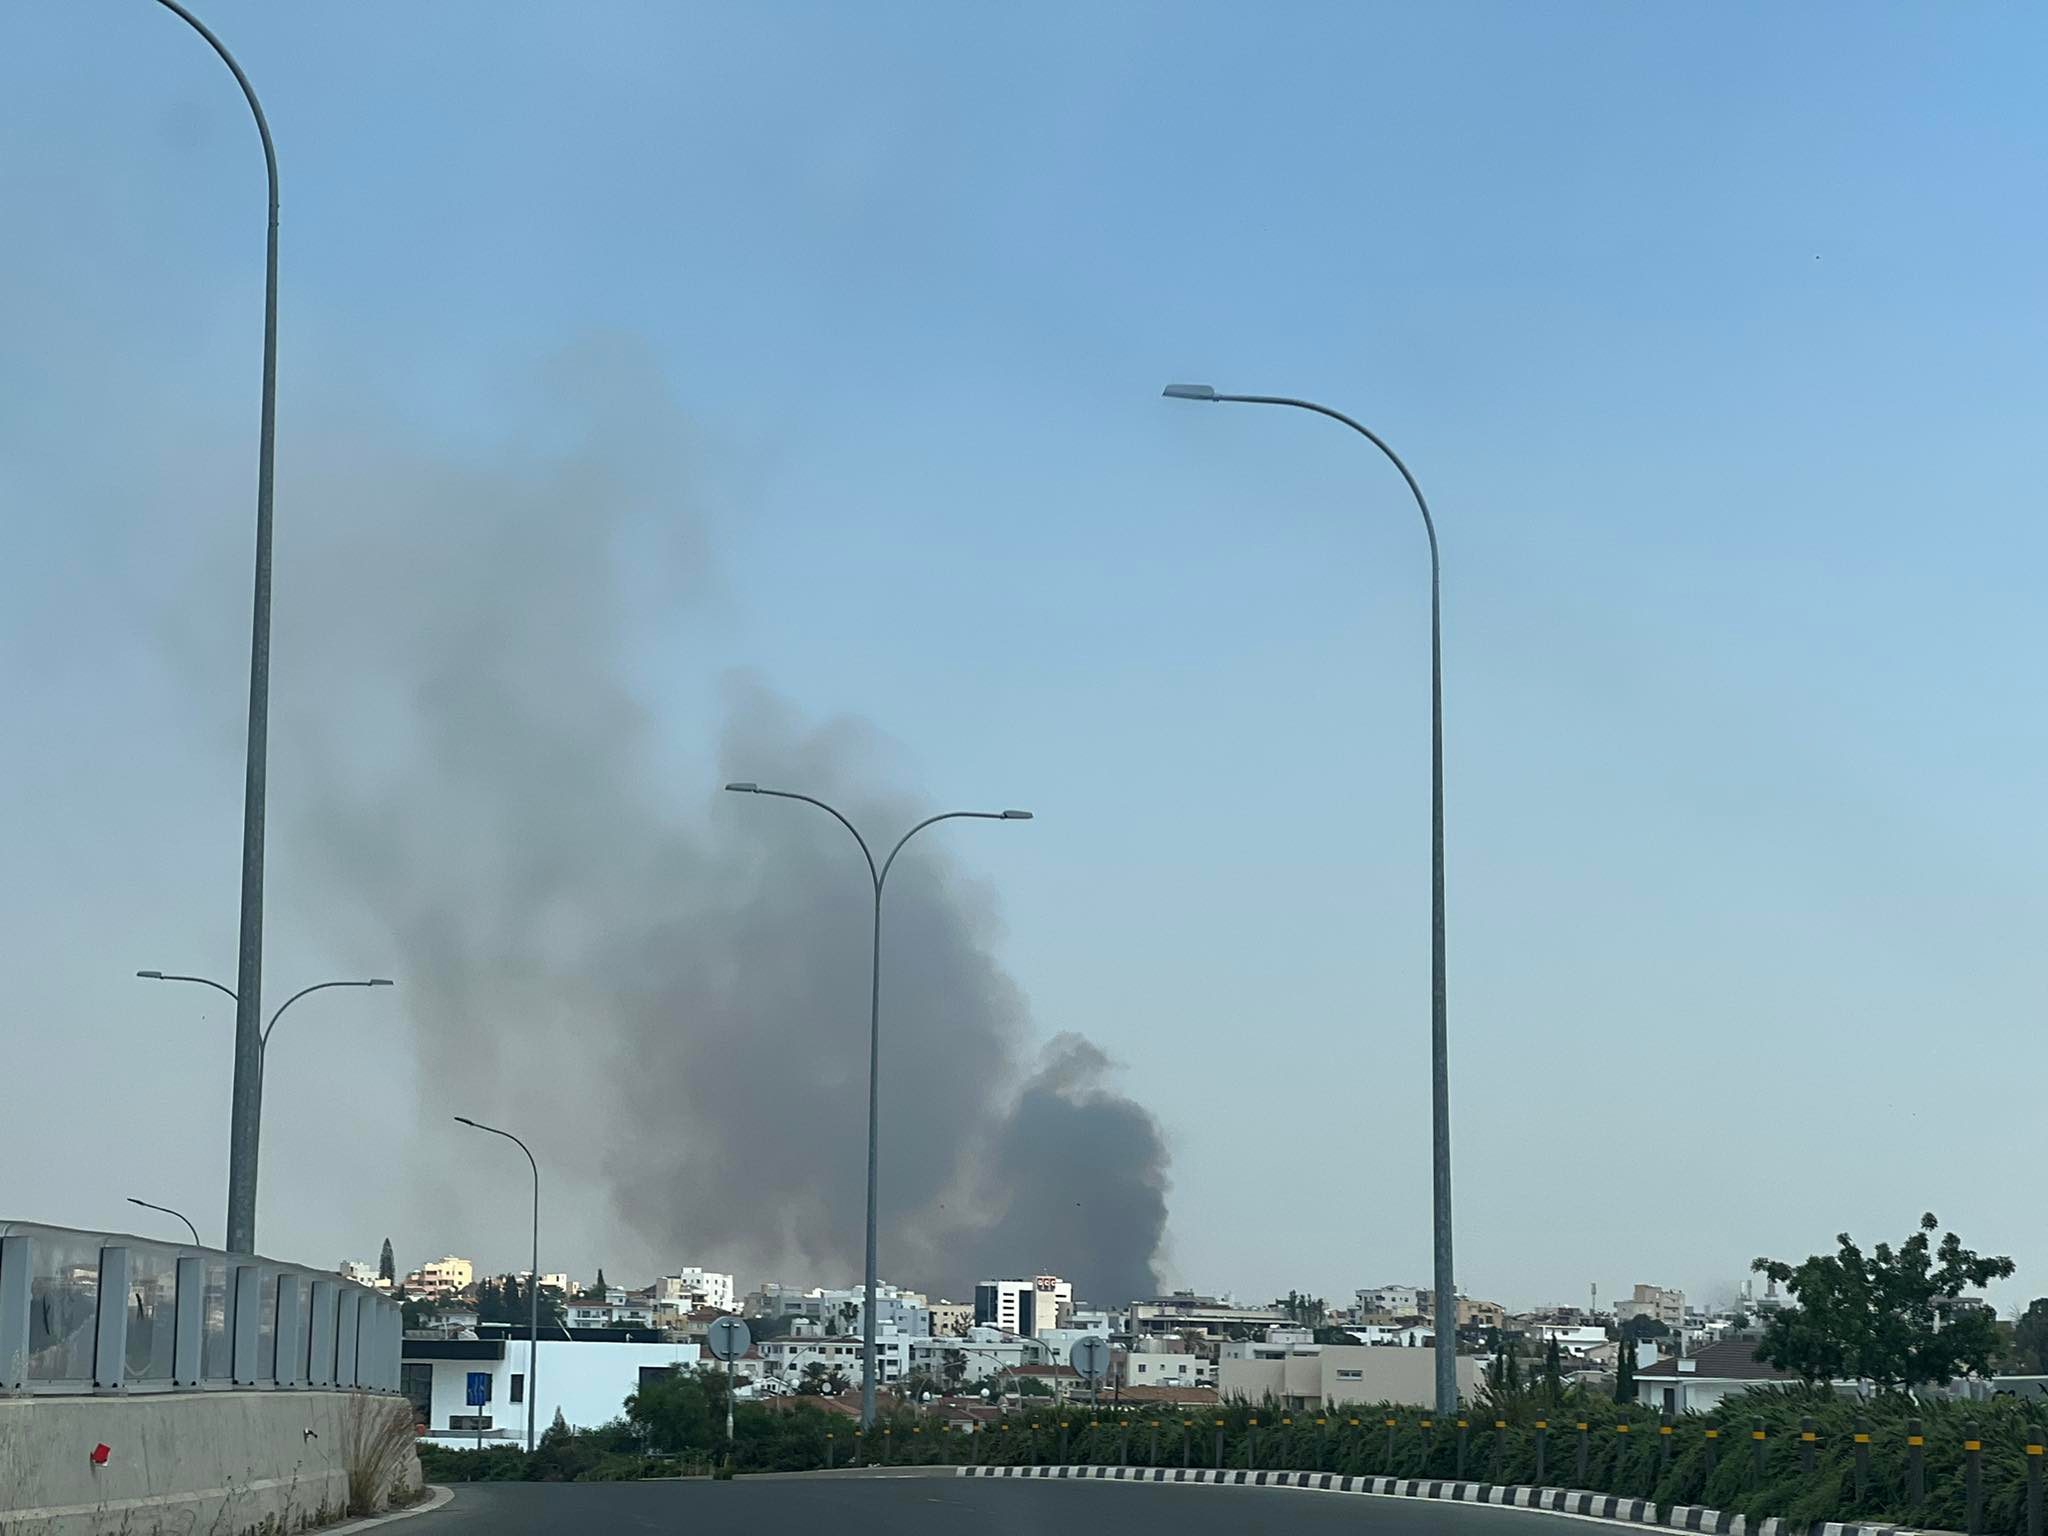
(204, 981)
(1428, 522)
(248, 91)
(151, 1205)
(318, 986)
(928, 821)
(866, 852)
(478, 1125)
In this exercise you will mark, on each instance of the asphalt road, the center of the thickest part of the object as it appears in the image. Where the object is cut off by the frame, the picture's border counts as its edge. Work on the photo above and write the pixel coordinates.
(952, 1506)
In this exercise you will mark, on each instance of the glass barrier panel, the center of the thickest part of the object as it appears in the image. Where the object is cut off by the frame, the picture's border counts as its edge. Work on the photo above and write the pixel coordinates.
(152, 1313)
(63, 1313)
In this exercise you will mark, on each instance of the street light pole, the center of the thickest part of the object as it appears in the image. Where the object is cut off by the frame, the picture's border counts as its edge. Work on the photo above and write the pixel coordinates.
(879, 876)
(1440, 1089)
(151, 1206)
(533, 1277)
(246, 1115)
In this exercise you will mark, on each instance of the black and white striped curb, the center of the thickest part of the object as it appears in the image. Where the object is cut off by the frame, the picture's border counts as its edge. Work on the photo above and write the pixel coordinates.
(1567, 1501)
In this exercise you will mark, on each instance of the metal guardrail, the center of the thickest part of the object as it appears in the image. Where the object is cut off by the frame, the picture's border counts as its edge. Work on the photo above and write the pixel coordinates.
(105, 1312)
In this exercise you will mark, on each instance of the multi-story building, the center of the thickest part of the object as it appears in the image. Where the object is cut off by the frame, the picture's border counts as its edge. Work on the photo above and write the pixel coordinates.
(1481, 1314)
(1660, 1303)
(1024, 1306)
(1008, 1305)
(361, 1273)
(1391, 1301)
(692, 1287)
(1317, 1376)
(588, 1313)
(1164, 1362)
(1185, 1312)
(982, 1353)
(447, 1276)
(839, 1311)
(951, 1319)
(1053, 1300)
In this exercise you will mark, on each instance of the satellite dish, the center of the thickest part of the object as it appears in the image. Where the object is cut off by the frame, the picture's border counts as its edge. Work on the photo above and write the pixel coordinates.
(1090, 1357)
(729, 1338)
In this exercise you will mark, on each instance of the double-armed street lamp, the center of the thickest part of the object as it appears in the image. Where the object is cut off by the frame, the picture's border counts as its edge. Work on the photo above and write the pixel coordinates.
(878, 875)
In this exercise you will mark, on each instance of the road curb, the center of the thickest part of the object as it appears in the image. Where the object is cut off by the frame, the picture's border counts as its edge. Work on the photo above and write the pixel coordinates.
(436, 1497)
(1563, 1501)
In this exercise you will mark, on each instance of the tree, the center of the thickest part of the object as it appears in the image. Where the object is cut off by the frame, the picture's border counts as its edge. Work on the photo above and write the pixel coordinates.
(387, 1266)
(1553, 1371)
(1625, 1371)
(600, 1287)
(2030, 1338)
(1888, 1317)
(813, 1382)
(1301, 1308)
(1643, 1326)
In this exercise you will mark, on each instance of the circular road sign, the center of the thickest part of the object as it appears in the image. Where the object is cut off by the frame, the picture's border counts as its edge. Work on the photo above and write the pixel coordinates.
(1090, 1357)
(729, 1338)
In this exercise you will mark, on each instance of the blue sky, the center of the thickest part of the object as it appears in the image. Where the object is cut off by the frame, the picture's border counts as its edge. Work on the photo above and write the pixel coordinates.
(1713, 333)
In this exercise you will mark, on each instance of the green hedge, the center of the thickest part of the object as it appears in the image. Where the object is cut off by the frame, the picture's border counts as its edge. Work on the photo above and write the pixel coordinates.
(1355, 1440)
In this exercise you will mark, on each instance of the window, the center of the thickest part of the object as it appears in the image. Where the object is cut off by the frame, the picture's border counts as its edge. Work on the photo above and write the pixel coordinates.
(1141, 1368)
(518, 1387)
(1342, 1375)
(416, 1381)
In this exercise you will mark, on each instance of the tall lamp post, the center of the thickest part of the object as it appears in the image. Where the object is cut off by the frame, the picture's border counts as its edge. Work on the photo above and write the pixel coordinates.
(148, 1205)
(533, 1278)
(879, 875)
(245, 1124)
(1440, 1090)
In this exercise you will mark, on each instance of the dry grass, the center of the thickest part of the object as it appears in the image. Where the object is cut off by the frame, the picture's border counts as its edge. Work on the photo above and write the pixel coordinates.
(378, 1449)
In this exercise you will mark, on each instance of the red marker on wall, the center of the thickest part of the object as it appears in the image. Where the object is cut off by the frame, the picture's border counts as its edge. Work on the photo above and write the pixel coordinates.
(100, 1453)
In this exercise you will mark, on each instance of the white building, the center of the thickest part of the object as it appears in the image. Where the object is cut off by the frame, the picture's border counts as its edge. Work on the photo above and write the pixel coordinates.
(587, 1381)
(1698, 1382)
(1400, 1335)
(839, 1311)
(1024, 1306)
(691, 1287)
(1573, 1339)
(1166, 1368)
(596, 1314)
(789, 1358)
(1342, 1373)
(361, 1273)
(982, 1353)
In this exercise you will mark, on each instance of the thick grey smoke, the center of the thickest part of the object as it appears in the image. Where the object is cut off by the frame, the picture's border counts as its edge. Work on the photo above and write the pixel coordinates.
(597, 940)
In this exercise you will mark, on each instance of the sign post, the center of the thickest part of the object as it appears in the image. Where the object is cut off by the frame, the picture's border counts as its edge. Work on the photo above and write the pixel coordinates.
(729, 1338)
(1090, 1360)
(478, 1395)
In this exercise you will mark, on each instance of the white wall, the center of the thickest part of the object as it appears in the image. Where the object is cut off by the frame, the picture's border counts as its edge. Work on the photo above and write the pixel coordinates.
(589, 1382)
(1346, 1373)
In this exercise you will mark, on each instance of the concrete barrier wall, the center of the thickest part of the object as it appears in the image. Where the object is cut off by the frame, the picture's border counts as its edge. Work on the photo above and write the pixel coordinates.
(217, 1462)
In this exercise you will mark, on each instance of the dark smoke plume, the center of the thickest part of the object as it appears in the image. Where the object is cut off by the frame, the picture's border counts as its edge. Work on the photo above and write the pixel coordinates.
(672, 978)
